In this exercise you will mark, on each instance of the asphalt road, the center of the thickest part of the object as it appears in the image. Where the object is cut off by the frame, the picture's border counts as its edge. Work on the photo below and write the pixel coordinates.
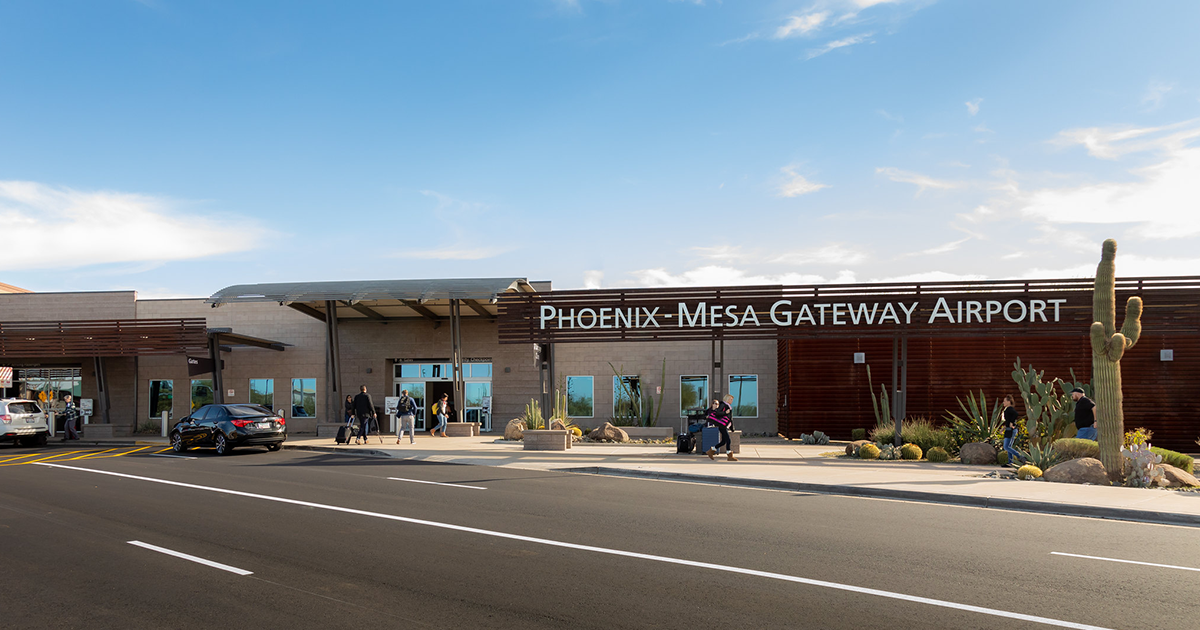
(331, 542)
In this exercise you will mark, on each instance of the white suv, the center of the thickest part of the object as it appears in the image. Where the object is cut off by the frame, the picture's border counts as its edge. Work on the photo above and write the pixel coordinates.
(23, 420)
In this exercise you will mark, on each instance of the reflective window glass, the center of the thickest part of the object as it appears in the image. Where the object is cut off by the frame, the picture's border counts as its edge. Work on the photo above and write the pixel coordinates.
(304, 397)
(744, 389)
(580, 401)
(161, 398)
(202, 393)
(262, 392)
(693, 393)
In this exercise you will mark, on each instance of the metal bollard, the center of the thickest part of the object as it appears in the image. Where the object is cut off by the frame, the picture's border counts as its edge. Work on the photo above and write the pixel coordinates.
(163, 423)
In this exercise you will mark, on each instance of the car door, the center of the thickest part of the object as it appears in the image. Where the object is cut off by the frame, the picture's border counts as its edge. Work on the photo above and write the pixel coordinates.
(190, 431)
(212, 421)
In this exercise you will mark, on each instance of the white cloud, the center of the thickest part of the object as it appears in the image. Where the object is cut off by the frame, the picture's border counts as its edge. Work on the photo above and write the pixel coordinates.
(973, 106)
(453, 214)
(593, 279)
(797, 184)
(1155, 92)
(922, 182)
(1128, 265)
(832, 254)
(1160, 201)
(892, 117)
(932, 276)
(47, 227)
(840, 43)
(798, 25)
(715, 275)
(940, 249)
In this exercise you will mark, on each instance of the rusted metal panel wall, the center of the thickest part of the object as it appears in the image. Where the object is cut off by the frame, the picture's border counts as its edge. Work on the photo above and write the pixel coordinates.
(828, 392)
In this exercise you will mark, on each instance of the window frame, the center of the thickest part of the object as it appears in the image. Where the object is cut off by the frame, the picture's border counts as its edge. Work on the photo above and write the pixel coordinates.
(703, 399)
(636, 404)
(757, 403)
(250, 392)
(171, 407)
(292, 398)
(212, 388)
(591, 395)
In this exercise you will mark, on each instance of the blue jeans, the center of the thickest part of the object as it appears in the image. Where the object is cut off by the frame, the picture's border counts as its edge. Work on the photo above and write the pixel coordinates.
(441, 425)
(1087, 433)
(1013, 455)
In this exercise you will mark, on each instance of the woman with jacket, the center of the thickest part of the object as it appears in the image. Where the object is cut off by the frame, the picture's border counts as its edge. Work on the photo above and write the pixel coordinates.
(721, 415)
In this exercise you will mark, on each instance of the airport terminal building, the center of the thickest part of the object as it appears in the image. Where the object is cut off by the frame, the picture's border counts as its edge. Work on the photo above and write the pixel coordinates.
(796, 358)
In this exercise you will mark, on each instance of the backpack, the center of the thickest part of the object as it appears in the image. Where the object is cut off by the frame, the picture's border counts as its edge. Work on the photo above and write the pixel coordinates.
(435, 408)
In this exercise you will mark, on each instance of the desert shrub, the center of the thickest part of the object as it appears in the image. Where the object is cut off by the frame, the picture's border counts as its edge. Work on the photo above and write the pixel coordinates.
(1178, 460)
(920, 431)
(1140, 435)
(910, 451)
(1002, 458)
(1075, 448)
(1029, 471)
(861, 434)
(150, 427)
(868, 451)
(937, 454)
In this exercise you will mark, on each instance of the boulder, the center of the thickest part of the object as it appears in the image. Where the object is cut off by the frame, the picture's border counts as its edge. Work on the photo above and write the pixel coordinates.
(852, 448)
(977, 453)
(515, 429)
(1082, 470)
(609, 433)
(557, 425)
(1177, 477)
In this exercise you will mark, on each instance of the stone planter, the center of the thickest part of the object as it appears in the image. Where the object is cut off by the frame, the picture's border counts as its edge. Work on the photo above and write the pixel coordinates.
(462, 429)
(543, 440)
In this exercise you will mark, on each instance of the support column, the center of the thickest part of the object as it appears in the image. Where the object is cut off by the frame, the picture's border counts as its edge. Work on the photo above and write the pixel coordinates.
(214, 353)
(894, 392)
(456, 358)
(333, 365)
(102, 388)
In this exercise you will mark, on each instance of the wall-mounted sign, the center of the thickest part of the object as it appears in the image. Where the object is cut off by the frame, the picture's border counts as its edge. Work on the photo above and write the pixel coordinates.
(86, 406)
(391, 404)
(6, 377)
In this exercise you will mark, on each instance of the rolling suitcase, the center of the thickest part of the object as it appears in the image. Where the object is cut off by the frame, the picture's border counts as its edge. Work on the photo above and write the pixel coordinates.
(709, 437)
(344, 434)
(685, 443)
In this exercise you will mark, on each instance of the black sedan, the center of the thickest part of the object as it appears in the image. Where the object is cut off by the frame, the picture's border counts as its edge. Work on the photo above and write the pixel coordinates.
(227, 426)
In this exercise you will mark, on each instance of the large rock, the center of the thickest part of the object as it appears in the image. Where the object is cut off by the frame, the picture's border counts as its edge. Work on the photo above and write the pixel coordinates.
(609, 433)
(515, 429)
(1177, 477)
(852, 448)
(977, 453)
(557, 425)
(1082, 470)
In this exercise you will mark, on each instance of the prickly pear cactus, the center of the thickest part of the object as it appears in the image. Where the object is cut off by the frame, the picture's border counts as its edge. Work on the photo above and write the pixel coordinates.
(1143, 470)
(1108, 346)
(819, 437)
(889, 451)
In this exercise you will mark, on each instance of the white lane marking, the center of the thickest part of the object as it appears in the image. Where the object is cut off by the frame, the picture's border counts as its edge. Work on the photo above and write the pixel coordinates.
(1149, 564)
(612, 552)
(175, 456)
(178, 554)
(438, 483)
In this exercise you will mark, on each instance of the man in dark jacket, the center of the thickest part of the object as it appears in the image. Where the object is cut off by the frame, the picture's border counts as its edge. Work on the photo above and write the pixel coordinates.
(1085, 417)
(364, 410)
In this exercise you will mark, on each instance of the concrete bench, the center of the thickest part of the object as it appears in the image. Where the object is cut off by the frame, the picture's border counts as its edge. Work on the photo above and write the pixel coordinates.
(649, 433)
(543, 440)
(462, 429)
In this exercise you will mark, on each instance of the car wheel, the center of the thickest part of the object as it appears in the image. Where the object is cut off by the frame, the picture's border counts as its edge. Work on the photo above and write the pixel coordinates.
(25, 440)
(41, 439)
(274, 447)
(177, 443)
(223, 446)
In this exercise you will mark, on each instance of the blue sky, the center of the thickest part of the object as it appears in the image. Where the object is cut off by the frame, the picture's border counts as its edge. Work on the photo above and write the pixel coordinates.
(179, 147)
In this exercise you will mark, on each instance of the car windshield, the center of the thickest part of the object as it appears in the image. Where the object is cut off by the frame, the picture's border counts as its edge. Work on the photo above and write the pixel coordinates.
(248, 411)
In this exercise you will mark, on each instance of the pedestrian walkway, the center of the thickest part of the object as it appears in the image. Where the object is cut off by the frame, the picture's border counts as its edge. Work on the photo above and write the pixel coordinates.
(783, 465)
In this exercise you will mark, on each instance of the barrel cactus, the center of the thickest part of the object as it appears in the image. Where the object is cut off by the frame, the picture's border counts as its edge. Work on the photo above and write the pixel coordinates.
(868, 451)
(1108, 346)
(910, 451)
(937, 454)
(1029, 471)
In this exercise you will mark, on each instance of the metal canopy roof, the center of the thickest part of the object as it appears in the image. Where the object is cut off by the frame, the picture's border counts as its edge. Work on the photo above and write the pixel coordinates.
(379, 300)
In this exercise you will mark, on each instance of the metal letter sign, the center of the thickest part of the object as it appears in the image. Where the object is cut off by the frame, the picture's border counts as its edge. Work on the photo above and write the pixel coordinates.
(5, 377)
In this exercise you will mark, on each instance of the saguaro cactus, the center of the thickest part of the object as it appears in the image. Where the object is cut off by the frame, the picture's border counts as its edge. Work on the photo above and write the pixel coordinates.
(1108, 346)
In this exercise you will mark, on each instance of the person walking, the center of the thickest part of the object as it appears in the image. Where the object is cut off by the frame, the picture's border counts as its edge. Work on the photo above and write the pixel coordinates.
(71, 415)
(441, 409)
(364, 410)
(1085, 415)
(407, 408)
(1008, 421)
(721, 415)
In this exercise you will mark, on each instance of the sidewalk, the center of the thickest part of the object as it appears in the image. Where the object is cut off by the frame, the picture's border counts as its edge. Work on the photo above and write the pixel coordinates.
(781, 465)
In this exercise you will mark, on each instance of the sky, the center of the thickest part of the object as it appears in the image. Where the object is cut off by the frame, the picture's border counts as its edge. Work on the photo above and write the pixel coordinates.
(176, 148)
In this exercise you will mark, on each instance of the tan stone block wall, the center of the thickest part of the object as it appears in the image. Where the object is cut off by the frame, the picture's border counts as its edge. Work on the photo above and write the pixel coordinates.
(59, 307)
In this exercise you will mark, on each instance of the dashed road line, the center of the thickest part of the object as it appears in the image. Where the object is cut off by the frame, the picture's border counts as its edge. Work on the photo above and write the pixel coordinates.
(196, 559)
(1148, 564)
(438, 483)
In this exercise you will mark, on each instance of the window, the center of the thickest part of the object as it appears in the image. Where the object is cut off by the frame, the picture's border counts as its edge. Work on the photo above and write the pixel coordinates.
(304, 397)
(262, 392)
(416, 391)
(693, 394)
(202, 393)
(161, 398)
(627, 397)
(744, 389)
(478, 370)
(579, 397)
(475, 394)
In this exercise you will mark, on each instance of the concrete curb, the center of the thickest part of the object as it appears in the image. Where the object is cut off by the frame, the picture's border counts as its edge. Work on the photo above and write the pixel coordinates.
(340, 450)
(1019, 505)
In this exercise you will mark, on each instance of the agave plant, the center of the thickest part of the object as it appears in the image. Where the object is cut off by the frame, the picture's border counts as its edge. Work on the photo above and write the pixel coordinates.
(1041, 457)
(978, 425)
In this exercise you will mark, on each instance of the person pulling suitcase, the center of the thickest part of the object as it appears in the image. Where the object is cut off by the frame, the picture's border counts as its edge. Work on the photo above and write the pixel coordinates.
(721, 415)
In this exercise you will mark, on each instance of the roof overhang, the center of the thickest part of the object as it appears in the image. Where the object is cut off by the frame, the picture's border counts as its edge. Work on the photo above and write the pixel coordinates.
(380, 300)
